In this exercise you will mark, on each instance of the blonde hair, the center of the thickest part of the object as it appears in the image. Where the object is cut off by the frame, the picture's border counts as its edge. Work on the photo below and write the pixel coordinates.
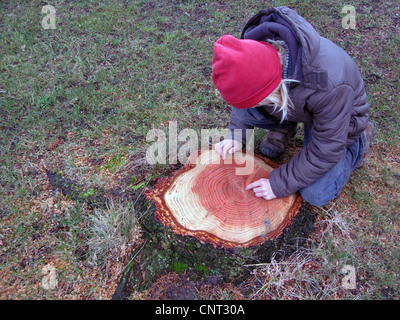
(280, 96)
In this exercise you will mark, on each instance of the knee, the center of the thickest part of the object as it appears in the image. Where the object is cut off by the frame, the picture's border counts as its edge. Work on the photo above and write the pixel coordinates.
(316, 197)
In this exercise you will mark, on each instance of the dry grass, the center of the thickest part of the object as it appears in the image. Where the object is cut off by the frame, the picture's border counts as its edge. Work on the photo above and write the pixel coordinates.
(311, 272)
(113, 230)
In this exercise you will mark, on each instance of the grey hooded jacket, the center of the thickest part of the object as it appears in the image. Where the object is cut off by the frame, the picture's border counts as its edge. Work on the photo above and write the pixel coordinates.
(330, 96)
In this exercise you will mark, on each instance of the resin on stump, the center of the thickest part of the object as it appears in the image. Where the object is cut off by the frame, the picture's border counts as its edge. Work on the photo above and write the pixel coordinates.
(207, 199)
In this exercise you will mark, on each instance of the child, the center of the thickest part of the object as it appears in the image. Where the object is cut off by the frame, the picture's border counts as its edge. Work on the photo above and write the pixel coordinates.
(282, 72)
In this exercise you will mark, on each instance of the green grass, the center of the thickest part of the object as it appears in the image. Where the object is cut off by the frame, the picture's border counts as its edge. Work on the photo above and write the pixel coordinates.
(113, 70)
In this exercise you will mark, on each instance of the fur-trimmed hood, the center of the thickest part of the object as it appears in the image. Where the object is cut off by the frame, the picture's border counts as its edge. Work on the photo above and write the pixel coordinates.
(301, 38)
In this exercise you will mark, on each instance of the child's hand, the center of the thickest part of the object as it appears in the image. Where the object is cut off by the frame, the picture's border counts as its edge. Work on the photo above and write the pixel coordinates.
(262, 189)
(226, 146)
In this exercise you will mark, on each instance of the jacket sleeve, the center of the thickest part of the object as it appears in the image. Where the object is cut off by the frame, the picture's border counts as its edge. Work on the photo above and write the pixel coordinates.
(331, 116)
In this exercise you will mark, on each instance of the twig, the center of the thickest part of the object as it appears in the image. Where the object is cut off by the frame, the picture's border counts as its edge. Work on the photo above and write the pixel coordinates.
(136, 254)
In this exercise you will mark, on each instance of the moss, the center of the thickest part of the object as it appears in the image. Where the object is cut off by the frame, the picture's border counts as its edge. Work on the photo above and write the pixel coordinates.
(180, 267)
(201, 269)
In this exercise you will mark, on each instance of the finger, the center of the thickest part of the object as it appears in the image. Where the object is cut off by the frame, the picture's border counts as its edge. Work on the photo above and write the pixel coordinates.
(259, 190)
(225, 150)
(263, 195)
(218, 147)
(234, 149)
(253, 185)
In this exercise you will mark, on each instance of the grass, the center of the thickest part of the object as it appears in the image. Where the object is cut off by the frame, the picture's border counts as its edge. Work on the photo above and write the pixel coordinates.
(113, 70)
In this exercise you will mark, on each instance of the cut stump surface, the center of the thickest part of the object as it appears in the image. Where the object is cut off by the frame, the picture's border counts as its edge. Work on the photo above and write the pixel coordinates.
(208, 200)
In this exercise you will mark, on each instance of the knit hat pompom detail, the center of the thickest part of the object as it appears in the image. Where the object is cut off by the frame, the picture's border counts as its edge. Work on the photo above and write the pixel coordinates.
(245, 71)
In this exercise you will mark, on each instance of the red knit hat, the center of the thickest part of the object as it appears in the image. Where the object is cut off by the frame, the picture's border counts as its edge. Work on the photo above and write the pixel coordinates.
(245, 71)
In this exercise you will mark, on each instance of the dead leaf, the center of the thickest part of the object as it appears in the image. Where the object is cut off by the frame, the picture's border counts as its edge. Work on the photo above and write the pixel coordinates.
(49, 281)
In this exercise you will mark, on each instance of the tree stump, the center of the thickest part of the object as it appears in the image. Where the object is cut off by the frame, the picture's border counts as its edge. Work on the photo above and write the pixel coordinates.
(205, 223)
(209, 201)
